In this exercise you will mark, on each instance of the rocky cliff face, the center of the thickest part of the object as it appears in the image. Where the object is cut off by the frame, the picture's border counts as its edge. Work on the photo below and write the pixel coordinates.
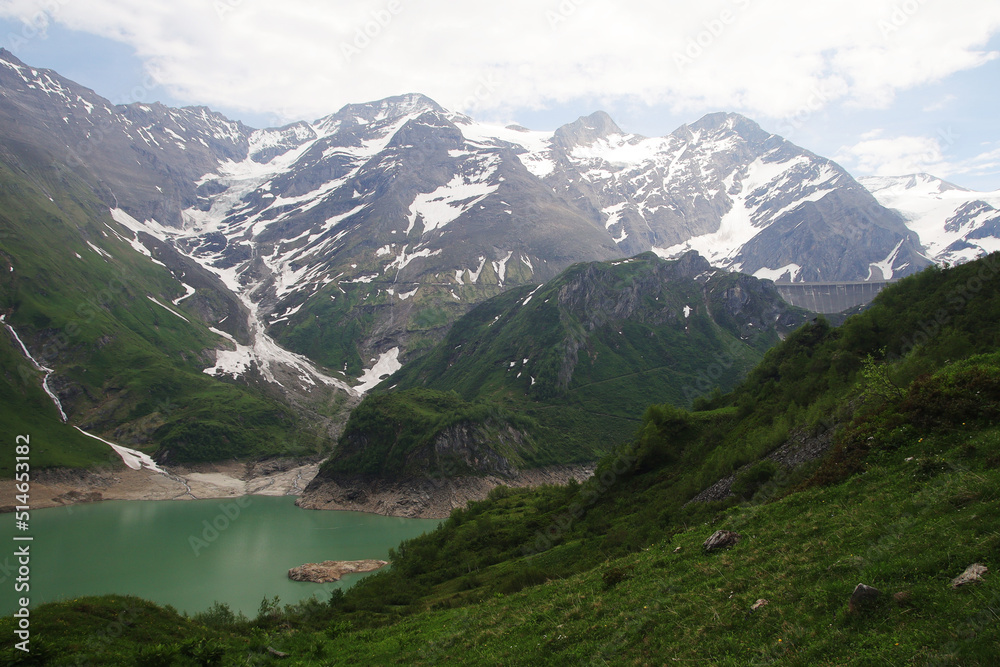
(472, 448)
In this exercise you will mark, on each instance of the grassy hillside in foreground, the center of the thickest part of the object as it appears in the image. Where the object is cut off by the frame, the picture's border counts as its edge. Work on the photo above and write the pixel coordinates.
(80, 297)
(612, 571)
(935, 515)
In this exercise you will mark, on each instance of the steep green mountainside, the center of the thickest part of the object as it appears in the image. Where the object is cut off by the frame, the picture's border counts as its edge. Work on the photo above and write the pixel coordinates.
(81, 298)
(613, 571)
(27, 410)
(609, 323)
(565, 368)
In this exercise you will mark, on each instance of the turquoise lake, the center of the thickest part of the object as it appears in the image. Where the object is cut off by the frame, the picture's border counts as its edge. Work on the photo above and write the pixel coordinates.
(189, 554)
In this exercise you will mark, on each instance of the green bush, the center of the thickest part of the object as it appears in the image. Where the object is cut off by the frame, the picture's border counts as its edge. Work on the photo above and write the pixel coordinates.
(614, 576)
(750, 480)
(529, 576)
(219, 615)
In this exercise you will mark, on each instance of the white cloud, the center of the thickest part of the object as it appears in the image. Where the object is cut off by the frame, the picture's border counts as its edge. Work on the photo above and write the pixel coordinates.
(903, 155)
(940, 104)
(894, 156)
(299, 58)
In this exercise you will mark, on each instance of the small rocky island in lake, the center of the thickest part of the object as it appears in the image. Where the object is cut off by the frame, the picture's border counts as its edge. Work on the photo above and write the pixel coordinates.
(332, 570)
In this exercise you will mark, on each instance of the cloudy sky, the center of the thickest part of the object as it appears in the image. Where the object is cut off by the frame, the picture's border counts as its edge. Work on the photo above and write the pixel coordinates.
(883, 86)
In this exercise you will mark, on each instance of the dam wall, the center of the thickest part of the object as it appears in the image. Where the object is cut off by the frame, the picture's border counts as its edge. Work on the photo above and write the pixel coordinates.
(829, 298)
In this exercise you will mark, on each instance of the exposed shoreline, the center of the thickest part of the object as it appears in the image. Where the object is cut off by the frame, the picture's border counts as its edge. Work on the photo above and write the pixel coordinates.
(425, 498)
(416, 499)
(59, 487)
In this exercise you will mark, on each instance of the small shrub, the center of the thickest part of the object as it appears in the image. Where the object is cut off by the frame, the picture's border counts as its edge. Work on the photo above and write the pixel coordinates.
(219, 615)
(338, 628)
(337, 598)
(269, 610)
(529, 576)
(753, 478)
(158, 655)
(205, 652)
(614, 576)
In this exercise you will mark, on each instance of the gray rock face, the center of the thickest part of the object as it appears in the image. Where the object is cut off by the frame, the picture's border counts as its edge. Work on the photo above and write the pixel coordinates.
(423, 497)
(862, 598)
(721, 539)
(973, 574)
(586, 130)
(145, 158)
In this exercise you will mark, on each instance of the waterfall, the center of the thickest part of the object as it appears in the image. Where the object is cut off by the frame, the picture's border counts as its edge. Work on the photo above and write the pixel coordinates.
(38, 366)
(132, 458)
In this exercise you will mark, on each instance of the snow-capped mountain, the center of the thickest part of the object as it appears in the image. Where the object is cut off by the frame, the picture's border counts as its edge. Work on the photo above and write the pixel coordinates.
(955, 225)
(144, 158)
(745, 199)
(355, 240)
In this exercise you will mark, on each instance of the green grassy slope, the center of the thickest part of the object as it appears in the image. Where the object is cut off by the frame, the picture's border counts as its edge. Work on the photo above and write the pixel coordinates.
(27, 410)
(586, 601)
(78, 295)
(579, 358)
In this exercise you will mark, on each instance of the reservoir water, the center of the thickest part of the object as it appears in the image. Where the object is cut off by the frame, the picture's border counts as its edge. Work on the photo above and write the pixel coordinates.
(189, 554)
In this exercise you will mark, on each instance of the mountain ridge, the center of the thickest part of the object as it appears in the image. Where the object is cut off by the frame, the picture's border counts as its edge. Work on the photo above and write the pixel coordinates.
(330, 253)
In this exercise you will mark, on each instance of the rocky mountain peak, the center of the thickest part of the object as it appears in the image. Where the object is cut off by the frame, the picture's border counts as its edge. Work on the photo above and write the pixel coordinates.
(429, 127)
(389, 109)
(586, 130)
(691, 265)
(725, 123)
(927, 181)
(10, 57)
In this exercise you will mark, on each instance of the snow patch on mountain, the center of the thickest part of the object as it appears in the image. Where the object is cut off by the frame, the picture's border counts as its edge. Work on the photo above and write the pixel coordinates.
(954, 224)
(735, 230)
(885, 267)
(386, 364)
(622, 150)
(234, 363)
(534, 147)
(500, 267)
(404, 258)
(133, 458)
(787, 273)
(474, 275)
(169, 309)
(449, 202)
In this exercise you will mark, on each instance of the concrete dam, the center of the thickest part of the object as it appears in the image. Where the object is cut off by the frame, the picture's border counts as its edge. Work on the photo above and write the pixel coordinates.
(829, 298)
